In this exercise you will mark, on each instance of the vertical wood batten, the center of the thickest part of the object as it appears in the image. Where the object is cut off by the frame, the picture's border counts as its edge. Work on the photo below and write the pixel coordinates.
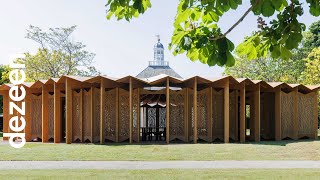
(138, 115)
(6, 115)
(295, 115)
(102, 113)
(278, 114)
(210, 115)
(226, 112)
(27, 116)
(45, 118)
(257, 113)
(57, 113)
(186, 118)
(91, 113)
(68, 111)
(130, 110)
(195, 112)
(81, 115)
(243, 112)
(117, 114)
(167, 111)
(316, 115)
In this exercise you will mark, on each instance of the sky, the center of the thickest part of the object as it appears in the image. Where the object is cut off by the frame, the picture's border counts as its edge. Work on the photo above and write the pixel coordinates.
(121, 48)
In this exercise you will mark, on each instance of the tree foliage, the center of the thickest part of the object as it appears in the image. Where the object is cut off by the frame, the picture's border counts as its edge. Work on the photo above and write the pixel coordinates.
(197, 34)
(57, 55)
(4, 78)
(271, 69)
(312, 71)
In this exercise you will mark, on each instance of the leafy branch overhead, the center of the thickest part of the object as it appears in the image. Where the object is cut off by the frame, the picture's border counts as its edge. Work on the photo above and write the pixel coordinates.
(196, 30)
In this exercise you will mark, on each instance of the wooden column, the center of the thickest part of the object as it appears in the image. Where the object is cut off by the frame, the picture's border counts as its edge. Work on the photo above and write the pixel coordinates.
(6, 115)
(138, 115)
(130, 110)
(167, 111)
(57, 113)
(226, 112)
(295, 114)
(91, 113)
(102, 113)
(68, 111)
(278, 114)
(27, 116)
(186, 118)
(117, 114)
(45, 118)
(257, 113)
(195, 111)
(315, 115)
(81, 115)
(210, 115)
(243, 112)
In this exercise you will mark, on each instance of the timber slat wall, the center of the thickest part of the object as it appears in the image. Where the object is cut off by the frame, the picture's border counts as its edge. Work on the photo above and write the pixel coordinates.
(103, 110)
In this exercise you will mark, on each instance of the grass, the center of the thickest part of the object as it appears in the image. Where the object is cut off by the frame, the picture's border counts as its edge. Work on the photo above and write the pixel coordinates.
(266, 150)
(163, 174)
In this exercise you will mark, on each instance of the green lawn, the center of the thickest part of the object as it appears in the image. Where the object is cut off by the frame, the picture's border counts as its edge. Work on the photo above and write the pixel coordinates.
(163, 174)
(267, 150)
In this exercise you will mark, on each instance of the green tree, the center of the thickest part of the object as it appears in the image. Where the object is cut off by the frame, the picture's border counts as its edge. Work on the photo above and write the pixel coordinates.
(312, 71)
(57, 55)
(196, 30)
(4, 78)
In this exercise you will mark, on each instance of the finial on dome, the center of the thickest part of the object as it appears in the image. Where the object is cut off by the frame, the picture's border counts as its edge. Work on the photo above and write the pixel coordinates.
(158, 37)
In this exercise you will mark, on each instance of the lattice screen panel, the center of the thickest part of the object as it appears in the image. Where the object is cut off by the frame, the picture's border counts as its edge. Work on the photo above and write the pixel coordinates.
(152, 115)
(218, 114)
(86, 115)
(306, 115)
(177, 121)
(51, 116)
(203, 104)
(287, 114)
(76, 116)
(124, 116)
(36, 116)
(190, 115)
(233, 100)
(96, 121)
(135, 115)
(110, 115)
(162, 117)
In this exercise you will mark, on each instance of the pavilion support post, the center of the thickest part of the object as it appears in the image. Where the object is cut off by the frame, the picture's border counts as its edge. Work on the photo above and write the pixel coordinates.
(210, 115)
(243, 112)
(257, 113)
(138, 115)
(81, 115)
(68, 111)
(278, 114)
(117, 114)
(315, 115)
(130, 110)
(6, 115)
(102, 112)
(295, 114)
(27, 116)
(186, 118)
(237, 116)
(195, 111)
(91, 113)
(226, 112)
(168, 111)
(45, 118)
(57, 113)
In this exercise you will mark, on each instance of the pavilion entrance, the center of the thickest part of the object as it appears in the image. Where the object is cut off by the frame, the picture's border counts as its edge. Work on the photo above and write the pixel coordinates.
(153, 118)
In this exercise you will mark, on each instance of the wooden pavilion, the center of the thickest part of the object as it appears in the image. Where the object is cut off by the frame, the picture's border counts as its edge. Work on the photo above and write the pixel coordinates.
(103, 109)
(159, 105)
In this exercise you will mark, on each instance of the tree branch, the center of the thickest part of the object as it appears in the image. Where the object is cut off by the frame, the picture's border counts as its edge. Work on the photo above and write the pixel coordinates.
(236, 24)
